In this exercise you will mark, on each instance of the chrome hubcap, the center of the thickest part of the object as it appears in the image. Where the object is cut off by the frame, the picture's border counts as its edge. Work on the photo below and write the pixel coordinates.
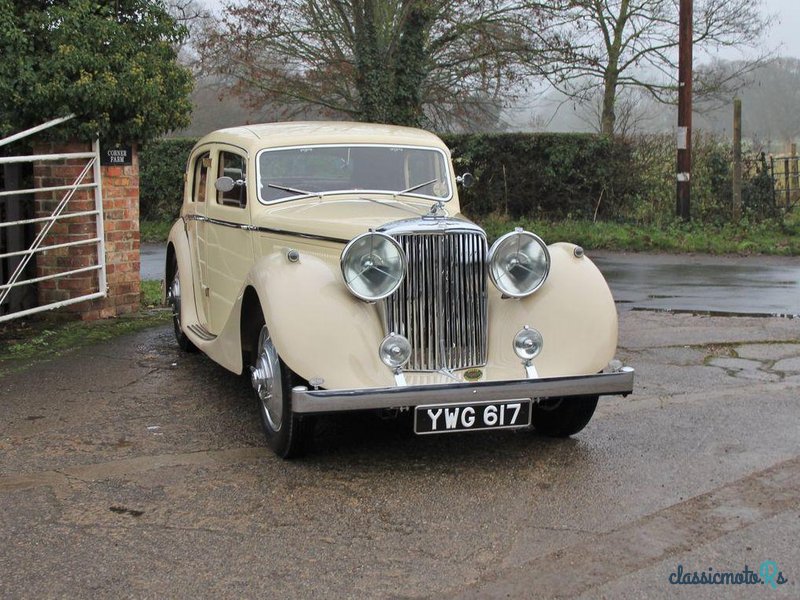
(266, 379)
(174, 298)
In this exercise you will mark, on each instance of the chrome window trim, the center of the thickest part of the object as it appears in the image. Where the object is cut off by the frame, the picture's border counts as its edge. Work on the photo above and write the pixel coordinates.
(445, 159)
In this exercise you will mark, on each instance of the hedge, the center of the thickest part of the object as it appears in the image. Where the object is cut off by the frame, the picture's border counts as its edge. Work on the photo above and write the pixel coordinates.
(520, 175)
(545, 175)
(162, 164)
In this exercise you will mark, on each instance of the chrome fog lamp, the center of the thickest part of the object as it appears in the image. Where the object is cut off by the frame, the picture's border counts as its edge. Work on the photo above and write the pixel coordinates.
(395, 350)
(519, 263)
(373, 266)
(528, 343)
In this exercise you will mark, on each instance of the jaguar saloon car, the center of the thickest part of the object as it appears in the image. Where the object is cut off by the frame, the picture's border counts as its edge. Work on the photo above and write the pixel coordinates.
(330, 263)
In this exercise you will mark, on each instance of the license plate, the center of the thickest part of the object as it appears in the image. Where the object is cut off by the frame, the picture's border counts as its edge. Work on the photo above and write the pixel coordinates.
(472, 416)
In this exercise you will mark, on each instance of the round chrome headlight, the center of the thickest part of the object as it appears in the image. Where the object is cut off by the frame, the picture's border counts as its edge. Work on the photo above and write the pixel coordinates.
(519, 263)
(373, 266)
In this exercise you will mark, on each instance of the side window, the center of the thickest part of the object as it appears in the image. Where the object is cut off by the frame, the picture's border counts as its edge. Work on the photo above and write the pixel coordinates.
(201, 166)
(233, 166)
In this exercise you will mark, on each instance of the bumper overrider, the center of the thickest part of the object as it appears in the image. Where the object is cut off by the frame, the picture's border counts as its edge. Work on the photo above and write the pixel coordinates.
(619, 382)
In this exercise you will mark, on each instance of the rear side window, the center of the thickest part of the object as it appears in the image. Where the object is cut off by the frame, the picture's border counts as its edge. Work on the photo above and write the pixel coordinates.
(233, 166)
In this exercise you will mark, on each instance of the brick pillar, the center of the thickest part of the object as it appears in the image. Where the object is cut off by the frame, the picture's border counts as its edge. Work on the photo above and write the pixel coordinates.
(121, 224)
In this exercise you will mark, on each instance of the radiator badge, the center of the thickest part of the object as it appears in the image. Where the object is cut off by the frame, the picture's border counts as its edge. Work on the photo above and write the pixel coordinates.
(473, 374)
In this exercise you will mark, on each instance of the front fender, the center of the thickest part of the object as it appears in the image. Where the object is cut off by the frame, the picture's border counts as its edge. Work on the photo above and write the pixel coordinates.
(178, 246)
(319, 329)
(574, 311)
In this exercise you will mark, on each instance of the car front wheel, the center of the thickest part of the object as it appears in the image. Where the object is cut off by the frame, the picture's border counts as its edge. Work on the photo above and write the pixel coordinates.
(287, 433)
(174, 302)
(562, 417)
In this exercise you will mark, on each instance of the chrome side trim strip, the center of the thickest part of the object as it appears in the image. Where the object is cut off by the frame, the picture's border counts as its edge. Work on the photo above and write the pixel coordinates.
(326, 401)
(308, 236)
(231, 224)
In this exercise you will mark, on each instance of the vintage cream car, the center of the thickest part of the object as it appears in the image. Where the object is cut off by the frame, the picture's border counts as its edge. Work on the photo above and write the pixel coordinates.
(330, 262)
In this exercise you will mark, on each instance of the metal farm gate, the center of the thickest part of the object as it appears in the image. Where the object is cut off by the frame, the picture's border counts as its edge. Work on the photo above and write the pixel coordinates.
(16, 261)
(785, 172)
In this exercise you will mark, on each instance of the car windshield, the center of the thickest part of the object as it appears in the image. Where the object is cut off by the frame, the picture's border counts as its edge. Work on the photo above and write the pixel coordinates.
(315, 170)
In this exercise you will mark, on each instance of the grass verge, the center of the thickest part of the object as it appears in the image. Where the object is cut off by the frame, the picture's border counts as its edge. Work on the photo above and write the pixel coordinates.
(26, 342)
(154, 231)
(151, 293)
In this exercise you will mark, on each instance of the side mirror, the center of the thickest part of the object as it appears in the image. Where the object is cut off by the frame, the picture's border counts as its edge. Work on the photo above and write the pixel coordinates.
(466, 180)
(225, 184)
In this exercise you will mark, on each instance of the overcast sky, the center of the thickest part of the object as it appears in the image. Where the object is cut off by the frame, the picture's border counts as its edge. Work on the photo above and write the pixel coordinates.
(783, 38)
(786, 30)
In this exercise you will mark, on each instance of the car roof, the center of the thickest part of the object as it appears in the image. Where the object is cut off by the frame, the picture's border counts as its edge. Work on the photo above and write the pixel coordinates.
(296, 133)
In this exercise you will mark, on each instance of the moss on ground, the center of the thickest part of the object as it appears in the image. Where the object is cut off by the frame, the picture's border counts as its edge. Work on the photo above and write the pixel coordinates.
(26, 342)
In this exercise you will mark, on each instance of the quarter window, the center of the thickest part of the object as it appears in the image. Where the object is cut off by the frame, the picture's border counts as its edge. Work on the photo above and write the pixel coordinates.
(200, 181)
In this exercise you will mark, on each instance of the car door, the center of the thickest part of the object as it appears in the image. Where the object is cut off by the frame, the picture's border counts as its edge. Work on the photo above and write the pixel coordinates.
(229, 247)
(197, 189)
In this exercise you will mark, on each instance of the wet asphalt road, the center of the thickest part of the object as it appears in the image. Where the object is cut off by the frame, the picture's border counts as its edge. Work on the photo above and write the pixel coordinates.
(754, 285)
(152, 257)
(132, 469)
(760, 285)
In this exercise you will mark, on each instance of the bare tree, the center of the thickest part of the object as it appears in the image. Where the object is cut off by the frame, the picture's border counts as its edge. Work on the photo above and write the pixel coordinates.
(186, 12)
(634, 111)
(438, 62)
(194, 17)
(616, 44)
(770, 98)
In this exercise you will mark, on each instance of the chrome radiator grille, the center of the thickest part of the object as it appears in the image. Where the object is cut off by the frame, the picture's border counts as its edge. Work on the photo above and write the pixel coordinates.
(441, 305)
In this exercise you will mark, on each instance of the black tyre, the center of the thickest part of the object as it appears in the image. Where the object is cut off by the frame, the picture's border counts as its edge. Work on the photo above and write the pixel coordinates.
(562, 417)
(288, 433)
(174, 302)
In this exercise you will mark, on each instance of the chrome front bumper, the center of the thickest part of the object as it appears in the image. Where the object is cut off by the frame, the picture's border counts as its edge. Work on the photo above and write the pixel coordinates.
(327, 401)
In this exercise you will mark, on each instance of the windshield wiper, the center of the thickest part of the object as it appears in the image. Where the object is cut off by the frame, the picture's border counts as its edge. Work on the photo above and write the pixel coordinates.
(414, 187)
(290, 189)
(397, 206)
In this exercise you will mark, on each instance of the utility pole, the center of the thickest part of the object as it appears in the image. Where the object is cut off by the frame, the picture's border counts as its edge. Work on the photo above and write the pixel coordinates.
(737, 158)
(684, 110)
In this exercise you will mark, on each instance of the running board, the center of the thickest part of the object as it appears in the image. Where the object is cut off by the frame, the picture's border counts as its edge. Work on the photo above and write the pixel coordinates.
(201, 332)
